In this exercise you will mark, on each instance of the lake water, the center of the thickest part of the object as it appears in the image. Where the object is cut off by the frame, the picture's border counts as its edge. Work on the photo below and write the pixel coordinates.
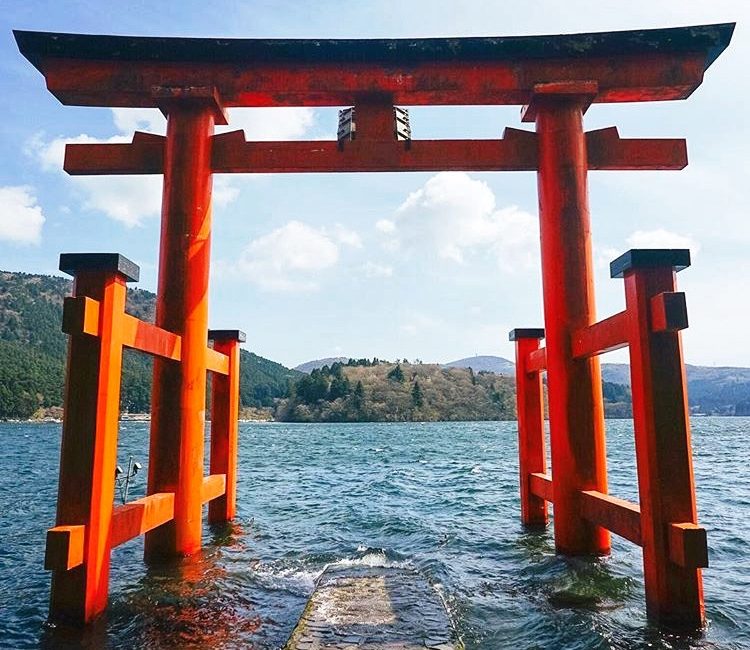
(440, 498)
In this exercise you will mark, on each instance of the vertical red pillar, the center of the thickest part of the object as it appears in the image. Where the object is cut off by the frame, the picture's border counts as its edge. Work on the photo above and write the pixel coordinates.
(674, 590)
(225, 406)
(179, 393)
(574, 385)
(88, 455)
(530, 412)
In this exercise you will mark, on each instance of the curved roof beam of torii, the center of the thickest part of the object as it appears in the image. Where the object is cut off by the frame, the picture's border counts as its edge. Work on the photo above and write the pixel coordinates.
(642, 65)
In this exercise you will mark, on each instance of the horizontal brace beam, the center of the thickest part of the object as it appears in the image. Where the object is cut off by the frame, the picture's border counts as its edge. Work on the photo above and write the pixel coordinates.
(138, 517)
(599, 338)
(516, 151)
(541, 485)
(145, 155)
(616, 515)
(214, 485)
(217, 362)
(81, 316)
(608, 152)
(536, 361)
(148, 338)
(64, 549)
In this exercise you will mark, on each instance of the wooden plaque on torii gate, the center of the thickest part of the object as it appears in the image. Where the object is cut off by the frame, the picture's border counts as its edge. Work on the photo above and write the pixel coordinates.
(555, 79)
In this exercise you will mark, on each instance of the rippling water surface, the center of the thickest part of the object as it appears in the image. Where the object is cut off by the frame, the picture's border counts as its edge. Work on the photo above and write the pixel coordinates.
(440, 498)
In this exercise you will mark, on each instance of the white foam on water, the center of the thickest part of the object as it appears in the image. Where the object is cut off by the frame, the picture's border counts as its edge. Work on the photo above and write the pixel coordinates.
(292, 578)
(375, 558)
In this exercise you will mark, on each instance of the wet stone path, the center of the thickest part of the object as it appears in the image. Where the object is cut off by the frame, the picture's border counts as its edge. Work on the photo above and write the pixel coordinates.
(373, 608)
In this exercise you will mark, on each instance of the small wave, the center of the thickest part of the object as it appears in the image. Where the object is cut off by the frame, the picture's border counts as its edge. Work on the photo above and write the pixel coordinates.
(295, 579)
(371, 557)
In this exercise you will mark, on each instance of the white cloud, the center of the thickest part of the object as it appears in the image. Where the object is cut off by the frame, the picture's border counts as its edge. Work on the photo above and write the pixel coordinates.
(661, 238)
(456, 215)
(270, 123)
(420, 324)
(257, 123)
(286, 258)
(132, 199)
(21, 219)
(128, 199)
(128, 120)
(374, 270)
(347, 237)
(386, 226)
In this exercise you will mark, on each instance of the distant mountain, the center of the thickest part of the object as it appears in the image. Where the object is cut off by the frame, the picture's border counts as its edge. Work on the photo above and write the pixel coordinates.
(317, 364)
(33, 348)
(617, 373)
(498, 365)
(717, 390)
(390, 392)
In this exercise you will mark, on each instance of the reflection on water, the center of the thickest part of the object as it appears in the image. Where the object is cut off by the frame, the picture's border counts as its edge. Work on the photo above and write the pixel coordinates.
(437, 498)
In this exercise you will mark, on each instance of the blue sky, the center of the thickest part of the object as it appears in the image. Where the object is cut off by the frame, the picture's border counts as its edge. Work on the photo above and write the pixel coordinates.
(429, 266)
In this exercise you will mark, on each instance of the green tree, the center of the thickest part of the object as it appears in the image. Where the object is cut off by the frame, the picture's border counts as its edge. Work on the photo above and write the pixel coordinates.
(396, 374)
(312, 388)
(339, 388)
(416, 395)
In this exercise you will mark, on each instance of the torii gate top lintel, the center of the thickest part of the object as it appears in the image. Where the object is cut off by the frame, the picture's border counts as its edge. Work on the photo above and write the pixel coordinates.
(655, 64)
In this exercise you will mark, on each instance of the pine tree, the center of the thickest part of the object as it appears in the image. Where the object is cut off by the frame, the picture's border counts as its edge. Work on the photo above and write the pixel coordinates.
(396, 374)
(416, 395)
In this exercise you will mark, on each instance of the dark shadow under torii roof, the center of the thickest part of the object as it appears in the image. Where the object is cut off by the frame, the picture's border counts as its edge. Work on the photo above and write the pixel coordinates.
(628, 65)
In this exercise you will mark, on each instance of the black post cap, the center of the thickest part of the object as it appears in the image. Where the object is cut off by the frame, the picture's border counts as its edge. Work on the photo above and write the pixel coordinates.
(227, 335)
(526, 333)
(72, 263)
(650, 258)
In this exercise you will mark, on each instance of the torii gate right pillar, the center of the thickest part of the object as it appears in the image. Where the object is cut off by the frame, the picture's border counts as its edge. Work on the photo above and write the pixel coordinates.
(577, 435)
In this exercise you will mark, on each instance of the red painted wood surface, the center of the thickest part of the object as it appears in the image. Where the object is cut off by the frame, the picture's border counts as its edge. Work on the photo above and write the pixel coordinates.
(616, 515)
(88, 454)
(532, 456)
(214, 486)
(574, 385)
(653, 77)
(138, 517)
(179, 393)
(605, 336)
(65, 545)
(225, 406)
(674, 593)
(373, 152)
(541, 485)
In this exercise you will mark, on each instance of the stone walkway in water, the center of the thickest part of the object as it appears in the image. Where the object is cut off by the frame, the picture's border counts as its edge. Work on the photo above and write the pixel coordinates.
(373, 608)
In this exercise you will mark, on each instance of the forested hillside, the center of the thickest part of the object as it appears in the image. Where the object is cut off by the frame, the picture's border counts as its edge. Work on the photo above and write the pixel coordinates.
(386, 392)
(33, 347)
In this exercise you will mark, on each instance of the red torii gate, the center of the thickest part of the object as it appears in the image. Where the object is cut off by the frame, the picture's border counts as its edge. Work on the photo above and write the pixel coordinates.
(556, 78)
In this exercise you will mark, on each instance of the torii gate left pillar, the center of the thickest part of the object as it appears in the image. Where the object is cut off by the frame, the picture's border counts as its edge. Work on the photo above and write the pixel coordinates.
(179, 393)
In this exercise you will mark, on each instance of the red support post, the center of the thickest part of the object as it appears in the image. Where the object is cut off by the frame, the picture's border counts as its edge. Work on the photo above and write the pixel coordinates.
(577, 435)
(532, 456)
(225, 403)
(88, 456)
(179, 393)
(674, 591)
